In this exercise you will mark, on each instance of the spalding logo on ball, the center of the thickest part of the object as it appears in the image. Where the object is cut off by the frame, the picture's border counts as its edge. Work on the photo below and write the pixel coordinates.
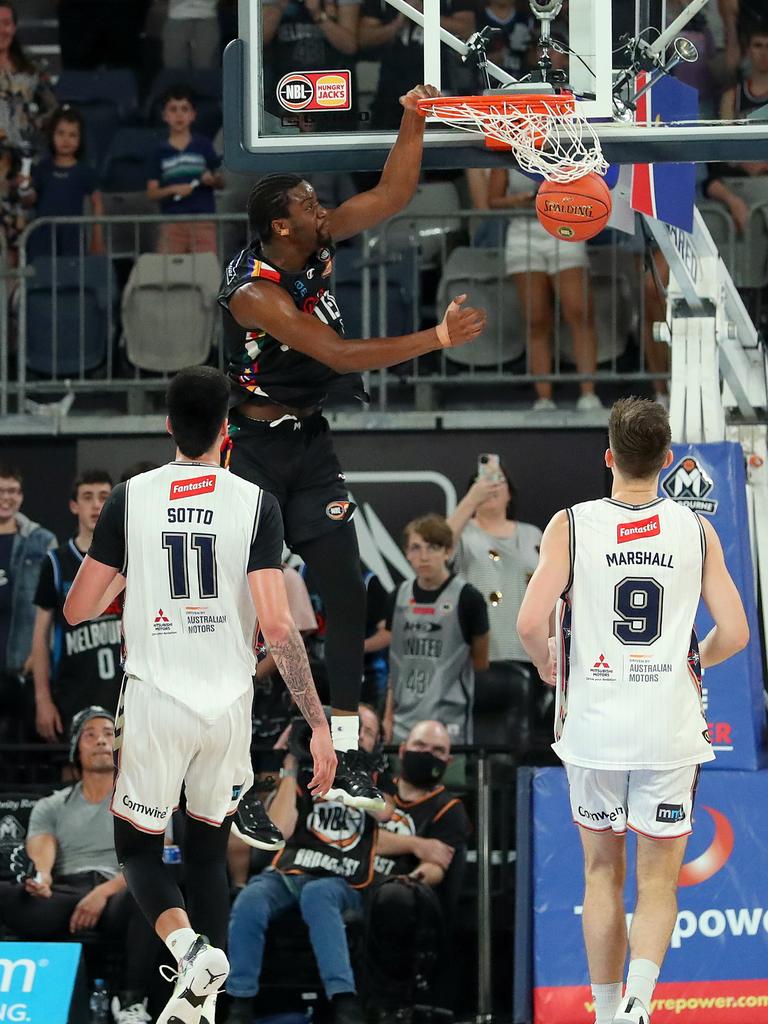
(574, 212)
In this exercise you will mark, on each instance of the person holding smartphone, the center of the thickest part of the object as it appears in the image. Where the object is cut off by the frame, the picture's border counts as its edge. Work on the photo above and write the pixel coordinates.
(498, 554)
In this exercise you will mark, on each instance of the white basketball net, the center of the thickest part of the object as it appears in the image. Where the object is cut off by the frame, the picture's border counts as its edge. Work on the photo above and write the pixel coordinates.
(558, 144)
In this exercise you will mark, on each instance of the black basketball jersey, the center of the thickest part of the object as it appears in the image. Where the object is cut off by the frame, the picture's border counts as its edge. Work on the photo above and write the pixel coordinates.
(263, 368)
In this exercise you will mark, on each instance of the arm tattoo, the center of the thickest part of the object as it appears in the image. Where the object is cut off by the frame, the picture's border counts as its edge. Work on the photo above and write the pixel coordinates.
(291, 660)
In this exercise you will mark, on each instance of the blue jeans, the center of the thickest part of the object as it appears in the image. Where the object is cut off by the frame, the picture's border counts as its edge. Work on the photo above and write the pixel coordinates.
(321, 901)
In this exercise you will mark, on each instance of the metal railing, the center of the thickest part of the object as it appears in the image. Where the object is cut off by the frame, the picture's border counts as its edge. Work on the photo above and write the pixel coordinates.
(386, 284)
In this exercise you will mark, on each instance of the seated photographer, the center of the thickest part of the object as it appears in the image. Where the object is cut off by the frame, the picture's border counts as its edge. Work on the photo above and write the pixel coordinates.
(326, 861)
(70, 881)
(407, 924)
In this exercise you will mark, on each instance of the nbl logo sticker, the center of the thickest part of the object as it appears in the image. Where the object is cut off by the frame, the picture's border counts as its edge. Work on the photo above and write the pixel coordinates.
(689, 484)
(315, 91)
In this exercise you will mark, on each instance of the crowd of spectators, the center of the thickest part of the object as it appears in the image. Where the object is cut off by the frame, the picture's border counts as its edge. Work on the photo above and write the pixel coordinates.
(377, 894)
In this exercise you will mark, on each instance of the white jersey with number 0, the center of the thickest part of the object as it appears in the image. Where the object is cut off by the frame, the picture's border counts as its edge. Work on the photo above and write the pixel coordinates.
(189, 618)
(629, 681)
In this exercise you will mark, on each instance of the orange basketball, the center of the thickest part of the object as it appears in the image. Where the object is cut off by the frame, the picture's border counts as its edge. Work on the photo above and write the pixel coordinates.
(576, 211)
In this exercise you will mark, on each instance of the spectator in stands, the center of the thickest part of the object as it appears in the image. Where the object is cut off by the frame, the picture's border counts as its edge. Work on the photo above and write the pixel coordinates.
(698, 74)
(191, 34)
(185, 171)
(327, 860)
(439, 636)
(399, 44)
(83, 661)
(509, 47)
(23, 547)
(410, 904)
(101, 33)
(306, 35)
(748, 94)
(143, 466)
(59, 186)
(498, 554)
(375, 667)
(25, 102)
(538, 264)
(74, 883)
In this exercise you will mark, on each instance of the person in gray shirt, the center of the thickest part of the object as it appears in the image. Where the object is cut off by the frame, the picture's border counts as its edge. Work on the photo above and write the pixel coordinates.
(74, 883)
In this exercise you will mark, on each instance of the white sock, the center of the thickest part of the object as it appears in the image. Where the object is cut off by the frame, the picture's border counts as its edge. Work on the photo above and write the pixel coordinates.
(344, 731)
(180, 941)
(607, 999)
(641, 981)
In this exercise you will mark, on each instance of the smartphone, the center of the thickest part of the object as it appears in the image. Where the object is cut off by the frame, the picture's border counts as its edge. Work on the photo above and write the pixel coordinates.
(488, 466)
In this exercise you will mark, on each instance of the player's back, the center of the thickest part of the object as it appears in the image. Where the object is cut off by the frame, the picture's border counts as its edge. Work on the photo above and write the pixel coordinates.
(189, 618)
(629, 693)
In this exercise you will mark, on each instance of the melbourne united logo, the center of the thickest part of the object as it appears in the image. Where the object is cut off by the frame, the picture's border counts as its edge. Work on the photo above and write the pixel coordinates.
(689, 484)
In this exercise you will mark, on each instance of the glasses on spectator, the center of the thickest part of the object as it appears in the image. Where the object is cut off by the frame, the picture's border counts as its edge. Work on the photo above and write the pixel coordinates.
(10, 492)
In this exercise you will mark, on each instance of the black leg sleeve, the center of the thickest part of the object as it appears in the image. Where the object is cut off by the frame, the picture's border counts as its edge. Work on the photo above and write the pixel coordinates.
(334, 562)
(205, 872)
(124, 924)
(150, 883)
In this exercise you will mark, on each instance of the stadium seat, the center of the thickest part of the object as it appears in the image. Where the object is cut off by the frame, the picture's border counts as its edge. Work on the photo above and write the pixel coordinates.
(169, 310)
(104, 98)
(480, 273)
(205, 86)
(348, 291)
(126, 165)
(69, 307)
(126, 239)
(723, 231)
(233, 234)
(751, 247)
(434, 209)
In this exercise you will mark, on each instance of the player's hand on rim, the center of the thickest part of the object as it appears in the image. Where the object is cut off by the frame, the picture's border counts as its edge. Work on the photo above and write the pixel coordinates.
(460, 324)
(419, 92)
(323, 761)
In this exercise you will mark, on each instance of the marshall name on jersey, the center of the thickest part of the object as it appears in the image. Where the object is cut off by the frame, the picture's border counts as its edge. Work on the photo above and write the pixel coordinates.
(263, 368)
(629, 678)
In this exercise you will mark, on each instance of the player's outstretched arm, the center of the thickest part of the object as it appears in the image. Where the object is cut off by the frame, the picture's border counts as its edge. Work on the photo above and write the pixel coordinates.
(399, 178)
(95, 586)
(266, 306)
(547, 584)
(731, 630)
(284, 640)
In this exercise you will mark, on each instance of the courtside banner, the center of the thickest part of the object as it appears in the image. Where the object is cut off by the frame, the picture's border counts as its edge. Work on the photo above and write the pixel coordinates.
(37, 980)
(711, 479)
(716, 971)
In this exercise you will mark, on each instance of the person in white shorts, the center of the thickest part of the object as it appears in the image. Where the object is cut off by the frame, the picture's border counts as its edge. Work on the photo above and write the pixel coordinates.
(626, 574)
(540, 265)
(198, 551)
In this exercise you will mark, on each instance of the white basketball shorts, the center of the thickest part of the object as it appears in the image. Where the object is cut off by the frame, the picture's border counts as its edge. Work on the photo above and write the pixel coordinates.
(160, 744)
(656, 804)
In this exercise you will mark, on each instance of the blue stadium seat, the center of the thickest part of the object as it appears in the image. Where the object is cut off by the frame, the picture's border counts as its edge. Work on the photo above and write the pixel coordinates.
(105, 99)
(68, 314)
(347, 289)
(126, 165)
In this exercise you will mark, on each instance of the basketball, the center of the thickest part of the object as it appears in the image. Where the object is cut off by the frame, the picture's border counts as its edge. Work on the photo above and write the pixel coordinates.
(576, 211)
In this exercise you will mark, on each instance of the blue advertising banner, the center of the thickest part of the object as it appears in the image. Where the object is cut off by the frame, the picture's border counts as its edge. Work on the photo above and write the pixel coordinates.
(37, 980)
(716, 971)
(711, 479)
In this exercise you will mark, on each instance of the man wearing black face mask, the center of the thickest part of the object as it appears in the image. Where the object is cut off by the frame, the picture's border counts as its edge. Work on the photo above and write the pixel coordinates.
(415, 851)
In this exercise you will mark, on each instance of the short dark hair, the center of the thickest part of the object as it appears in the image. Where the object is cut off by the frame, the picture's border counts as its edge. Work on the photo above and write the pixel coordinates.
(268, 201)
(639, 436)
(19, 59)
(197, 400)
(143, 466)
(180, 91)
(433, 528)
(8, 470)
(511, 511)
(67, 115)
(89, 476)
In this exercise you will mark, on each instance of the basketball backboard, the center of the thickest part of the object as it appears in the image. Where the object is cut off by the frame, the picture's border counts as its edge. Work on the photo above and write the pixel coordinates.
(291, 102)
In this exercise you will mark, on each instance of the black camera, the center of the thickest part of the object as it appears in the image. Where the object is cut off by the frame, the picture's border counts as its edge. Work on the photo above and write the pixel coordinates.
(299, 738)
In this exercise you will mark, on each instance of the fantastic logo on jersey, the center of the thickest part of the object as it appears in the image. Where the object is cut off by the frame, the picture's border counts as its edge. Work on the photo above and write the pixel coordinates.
(639, 530)
(193, 487)
(689, 484)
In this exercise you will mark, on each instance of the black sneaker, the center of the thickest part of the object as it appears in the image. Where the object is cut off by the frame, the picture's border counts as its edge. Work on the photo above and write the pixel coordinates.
(252, 824)
(240, 1011)
(352, 785)
(346, 1009)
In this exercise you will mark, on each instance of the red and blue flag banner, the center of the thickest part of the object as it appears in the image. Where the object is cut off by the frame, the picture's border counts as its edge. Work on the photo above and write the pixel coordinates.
(716, 970)
(665, 191)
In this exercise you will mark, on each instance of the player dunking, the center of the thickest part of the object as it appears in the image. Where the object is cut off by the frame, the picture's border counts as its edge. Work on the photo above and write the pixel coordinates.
(199, 552)
(291, 355)
(629, 571)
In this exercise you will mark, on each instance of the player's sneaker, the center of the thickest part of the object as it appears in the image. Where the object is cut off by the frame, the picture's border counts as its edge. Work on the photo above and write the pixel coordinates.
(208, 1015)
(631, 1011)
(352, 783)
(252, 824)
(129, 1008)
(202, 972)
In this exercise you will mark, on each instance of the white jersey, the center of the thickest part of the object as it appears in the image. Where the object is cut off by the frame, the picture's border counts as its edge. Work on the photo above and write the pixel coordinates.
(629, 680)
(188, 534)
